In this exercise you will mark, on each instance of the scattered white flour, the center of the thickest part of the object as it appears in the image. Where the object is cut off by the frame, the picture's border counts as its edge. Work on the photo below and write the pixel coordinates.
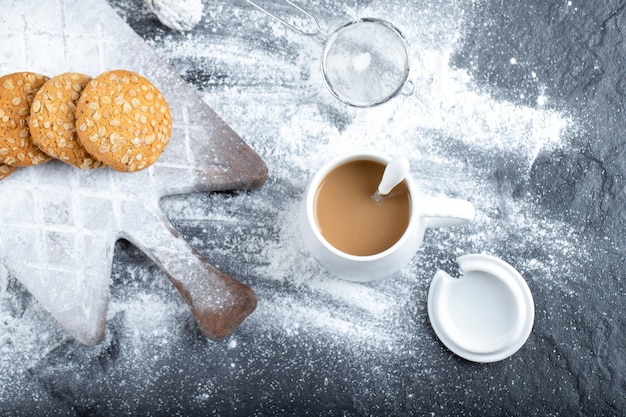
(273, 95)
(182, 15)
(440, 112)
(450, 130)
(27, 333)
(361, 61)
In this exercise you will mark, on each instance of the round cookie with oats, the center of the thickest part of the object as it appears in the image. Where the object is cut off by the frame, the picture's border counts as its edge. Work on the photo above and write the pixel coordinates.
(52, 120)
(123, 120)
(16, 95)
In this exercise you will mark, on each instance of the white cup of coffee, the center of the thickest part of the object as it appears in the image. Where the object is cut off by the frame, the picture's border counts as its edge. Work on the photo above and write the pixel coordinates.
(359, 239)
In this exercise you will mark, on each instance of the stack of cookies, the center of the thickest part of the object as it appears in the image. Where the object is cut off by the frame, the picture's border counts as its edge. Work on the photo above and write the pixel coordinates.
(118, 119)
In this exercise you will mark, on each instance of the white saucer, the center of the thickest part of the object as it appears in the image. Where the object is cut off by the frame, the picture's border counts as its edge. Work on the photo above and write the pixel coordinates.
(484, 316)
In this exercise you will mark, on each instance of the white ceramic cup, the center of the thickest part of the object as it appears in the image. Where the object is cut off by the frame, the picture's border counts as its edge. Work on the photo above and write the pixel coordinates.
(425, 212)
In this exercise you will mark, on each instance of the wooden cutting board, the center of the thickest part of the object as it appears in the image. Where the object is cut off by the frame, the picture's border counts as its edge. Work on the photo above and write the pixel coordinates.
(59, 225)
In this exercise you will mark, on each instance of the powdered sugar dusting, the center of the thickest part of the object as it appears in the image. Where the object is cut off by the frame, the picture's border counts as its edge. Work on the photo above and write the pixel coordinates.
(461, 141)
(453, 133)
(443, 123)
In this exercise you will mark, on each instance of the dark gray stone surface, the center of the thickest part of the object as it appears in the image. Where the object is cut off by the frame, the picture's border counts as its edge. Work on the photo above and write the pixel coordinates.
(319, 346)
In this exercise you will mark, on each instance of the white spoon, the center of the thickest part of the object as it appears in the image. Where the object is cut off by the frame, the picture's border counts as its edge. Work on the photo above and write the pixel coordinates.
(395, 172)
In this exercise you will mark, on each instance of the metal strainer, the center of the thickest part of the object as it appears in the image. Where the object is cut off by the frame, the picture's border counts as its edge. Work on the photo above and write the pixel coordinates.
(365, 62)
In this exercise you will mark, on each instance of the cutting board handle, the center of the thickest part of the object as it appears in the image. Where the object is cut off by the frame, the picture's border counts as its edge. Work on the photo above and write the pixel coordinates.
(218, 302)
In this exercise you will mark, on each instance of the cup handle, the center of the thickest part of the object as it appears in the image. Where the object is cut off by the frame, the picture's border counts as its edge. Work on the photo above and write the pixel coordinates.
(446, 212)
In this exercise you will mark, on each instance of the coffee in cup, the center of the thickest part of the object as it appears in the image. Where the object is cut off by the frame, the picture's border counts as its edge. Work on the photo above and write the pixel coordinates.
(336, 197)
(350, 219)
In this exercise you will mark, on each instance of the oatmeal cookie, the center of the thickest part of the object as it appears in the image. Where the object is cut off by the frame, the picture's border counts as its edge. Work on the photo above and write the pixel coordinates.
(52, 120)
(16, 95)
(123, 120)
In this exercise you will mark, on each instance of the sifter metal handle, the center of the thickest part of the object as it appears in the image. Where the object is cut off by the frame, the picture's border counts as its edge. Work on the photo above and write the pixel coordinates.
(318, 32)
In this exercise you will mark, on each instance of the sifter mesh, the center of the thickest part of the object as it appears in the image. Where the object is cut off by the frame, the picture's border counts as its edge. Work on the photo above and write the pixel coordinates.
(365, 62)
